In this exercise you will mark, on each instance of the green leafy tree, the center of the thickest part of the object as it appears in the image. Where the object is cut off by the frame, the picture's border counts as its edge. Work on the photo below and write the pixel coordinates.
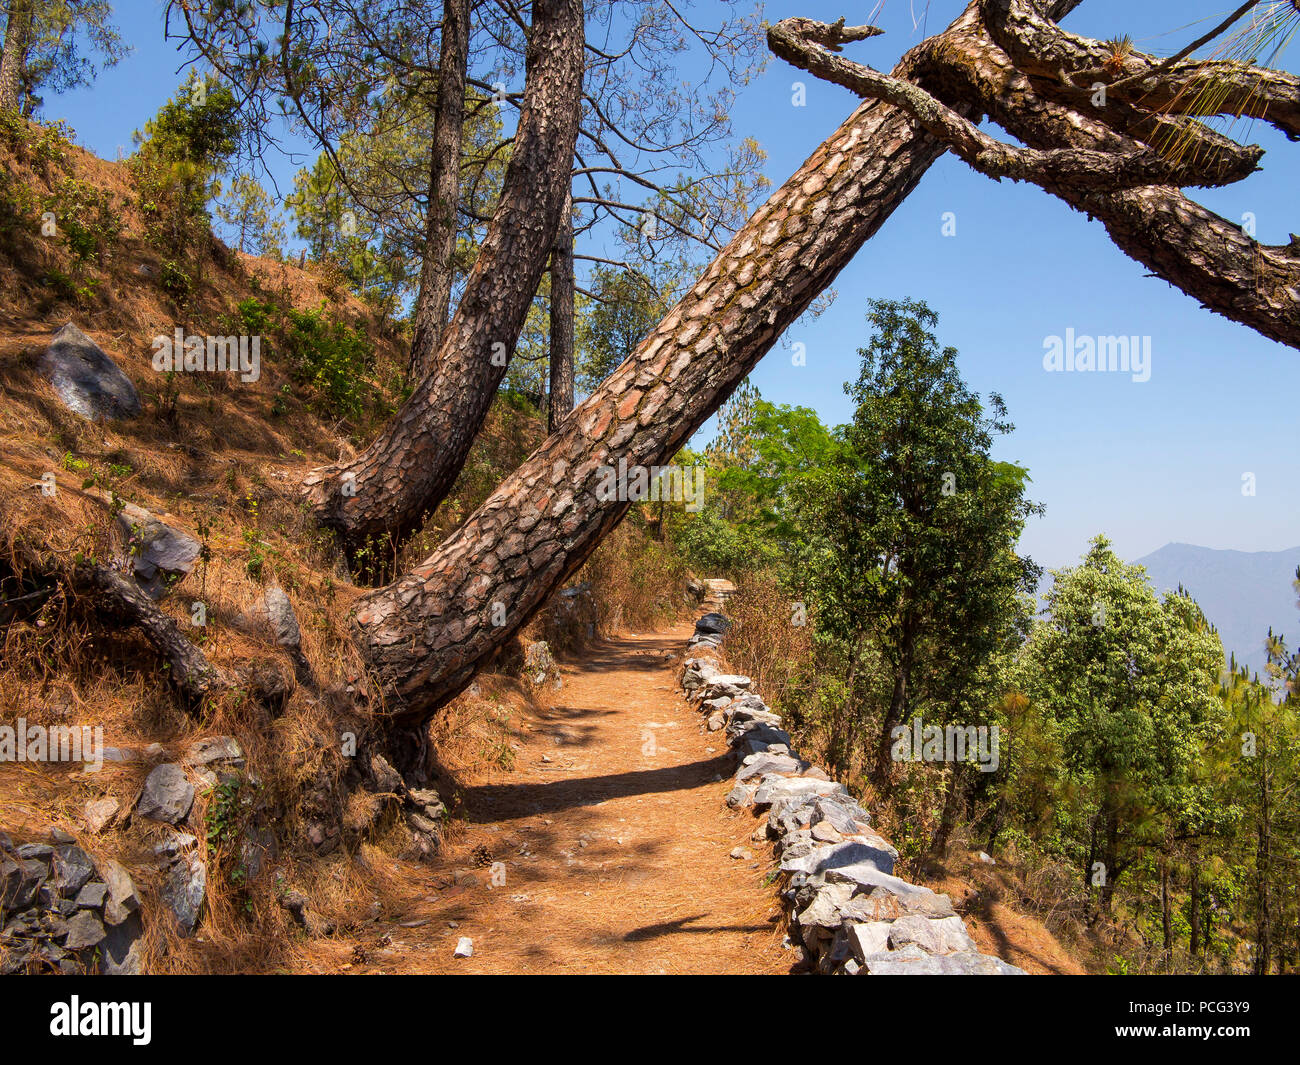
(1131, 683)
(917, 528)
(54, 46)
(181, 152)
(624, 306)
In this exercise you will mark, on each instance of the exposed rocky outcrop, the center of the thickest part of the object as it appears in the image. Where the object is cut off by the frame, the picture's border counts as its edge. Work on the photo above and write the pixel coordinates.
(846, 909)
(62, 911)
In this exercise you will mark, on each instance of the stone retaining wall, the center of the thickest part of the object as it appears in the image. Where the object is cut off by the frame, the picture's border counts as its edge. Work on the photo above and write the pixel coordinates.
(846, 909)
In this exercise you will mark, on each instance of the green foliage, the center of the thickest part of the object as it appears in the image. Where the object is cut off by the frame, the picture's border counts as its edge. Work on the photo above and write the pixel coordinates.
(624, 308)
(71, 41)
(87, 222)
(324, 352)
(247, 210)
(181, 151)
(333, 357)
(175, 280)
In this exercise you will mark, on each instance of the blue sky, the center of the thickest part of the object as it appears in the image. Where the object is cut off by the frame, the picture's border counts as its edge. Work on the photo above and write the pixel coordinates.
(1146, 463)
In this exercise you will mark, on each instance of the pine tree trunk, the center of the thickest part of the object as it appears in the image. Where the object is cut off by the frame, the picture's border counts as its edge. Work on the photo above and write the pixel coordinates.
(1263, 864)
(562, 284)
(432, 304)
(1166, 913)
(18, 30)
(1194, 901)
(387, 491)
(426, 633)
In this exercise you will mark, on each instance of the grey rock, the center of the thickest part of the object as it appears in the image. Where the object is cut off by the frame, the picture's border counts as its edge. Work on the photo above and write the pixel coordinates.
(712, 623)
(72, 869)
(757, 738)
(732, 684)
(99, 813)
(720, 703)
(868, 937)
(776, 787)
(36, 852)
(92, 896)
(20, 881)
(759, 764)
(210, 749)
(912, 961)
(185, 880)
(84, 931)
(834, 904)
(740, 797)
(716, 722)
(934, 935)
(123, 947)
(742, 714)
(167, 796)
(838, 855)
(160, 554)
(284, 622)
(85, 379)
(122, 900)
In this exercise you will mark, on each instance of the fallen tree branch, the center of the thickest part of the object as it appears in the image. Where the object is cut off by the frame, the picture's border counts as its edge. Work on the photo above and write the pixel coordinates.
(120, 597)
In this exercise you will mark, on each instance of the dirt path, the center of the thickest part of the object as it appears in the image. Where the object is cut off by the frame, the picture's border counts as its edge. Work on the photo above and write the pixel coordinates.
(614, 840)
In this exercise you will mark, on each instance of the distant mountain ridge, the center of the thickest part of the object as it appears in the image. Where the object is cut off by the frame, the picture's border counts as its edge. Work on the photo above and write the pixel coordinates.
(1241, 592)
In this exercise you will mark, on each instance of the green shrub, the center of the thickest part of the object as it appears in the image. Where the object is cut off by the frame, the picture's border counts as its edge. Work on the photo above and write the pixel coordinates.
(332, 357)
(87, 222)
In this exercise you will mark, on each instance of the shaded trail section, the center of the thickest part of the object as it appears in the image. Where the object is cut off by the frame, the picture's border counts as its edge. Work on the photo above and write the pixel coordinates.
(611, 836)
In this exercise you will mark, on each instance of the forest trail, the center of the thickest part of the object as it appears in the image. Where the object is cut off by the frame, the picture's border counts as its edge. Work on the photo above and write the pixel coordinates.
(615, 841)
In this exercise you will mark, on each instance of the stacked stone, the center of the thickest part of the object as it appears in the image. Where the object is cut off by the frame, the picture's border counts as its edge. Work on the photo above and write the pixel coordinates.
(64, 911)
(846, 909)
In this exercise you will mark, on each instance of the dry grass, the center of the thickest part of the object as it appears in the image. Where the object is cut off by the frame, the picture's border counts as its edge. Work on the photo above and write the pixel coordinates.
(220, 463)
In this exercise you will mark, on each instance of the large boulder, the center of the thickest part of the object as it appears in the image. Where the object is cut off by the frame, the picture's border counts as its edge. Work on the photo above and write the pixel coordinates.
(934, 935)
(712, 623)
(86, 380)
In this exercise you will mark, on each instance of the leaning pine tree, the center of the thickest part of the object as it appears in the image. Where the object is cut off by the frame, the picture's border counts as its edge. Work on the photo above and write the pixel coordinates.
(1123, 155)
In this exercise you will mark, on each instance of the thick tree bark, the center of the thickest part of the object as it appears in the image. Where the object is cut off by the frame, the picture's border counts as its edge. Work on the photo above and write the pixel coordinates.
(386, 492)
(426, 633)
(433, 302)
(560, 397)
(18, 31)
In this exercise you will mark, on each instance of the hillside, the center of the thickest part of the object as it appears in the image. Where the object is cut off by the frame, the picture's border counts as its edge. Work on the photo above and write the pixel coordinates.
(280, 854)
(1243, 593)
